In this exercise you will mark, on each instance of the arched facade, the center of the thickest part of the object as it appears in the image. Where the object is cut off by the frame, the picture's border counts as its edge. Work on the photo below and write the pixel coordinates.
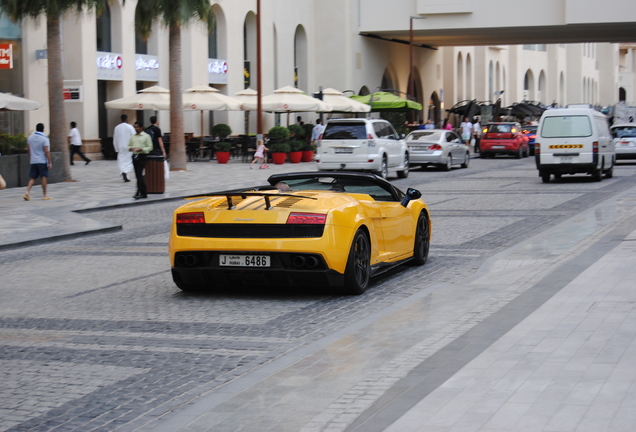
(301, 62)
(460, 77)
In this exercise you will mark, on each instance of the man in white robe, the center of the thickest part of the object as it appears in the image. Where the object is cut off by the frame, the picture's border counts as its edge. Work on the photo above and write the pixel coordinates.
(123, 132)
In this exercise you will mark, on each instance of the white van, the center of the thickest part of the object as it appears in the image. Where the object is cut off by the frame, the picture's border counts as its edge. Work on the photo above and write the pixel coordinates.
(362, 144)
(574, 140)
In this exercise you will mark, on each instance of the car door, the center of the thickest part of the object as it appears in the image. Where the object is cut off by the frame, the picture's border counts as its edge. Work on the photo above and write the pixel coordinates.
(383, 132)
(397, 223)
(455, 146)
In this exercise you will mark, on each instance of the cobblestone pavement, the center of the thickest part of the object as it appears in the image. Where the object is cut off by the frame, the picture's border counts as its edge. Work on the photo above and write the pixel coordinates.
(95, 336)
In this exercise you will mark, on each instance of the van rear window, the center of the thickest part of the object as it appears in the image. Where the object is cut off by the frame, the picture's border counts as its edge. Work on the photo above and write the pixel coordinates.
(566, 127)
(345, 131)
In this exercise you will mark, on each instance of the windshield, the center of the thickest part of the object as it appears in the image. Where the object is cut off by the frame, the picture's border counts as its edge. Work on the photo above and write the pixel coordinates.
(624, 132)
(566, 126)
(424, 136)
(500, 128)
(345, 131)
(348, 185)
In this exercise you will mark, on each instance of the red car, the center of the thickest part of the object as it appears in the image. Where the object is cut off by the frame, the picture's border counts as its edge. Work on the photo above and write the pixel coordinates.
(503, 138)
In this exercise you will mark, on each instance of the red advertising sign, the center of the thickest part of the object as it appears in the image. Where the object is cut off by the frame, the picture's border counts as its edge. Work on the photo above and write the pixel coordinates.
(6, 56)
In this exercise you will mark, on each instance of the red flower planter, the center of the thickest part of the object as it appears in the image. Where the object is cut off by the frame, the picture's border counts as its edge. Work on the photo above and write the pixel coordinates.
(279, 158)
(222, 157)
(308, 156)
(295, 157)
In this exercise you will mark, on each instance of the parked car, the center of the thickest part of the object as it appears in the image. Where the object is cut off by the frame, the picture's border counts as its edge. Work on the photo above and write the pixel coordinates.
(362, 144)
(624, 135)
(438, 147)
(574, 140)
(312, 229)
(531, 132)
(503, 138)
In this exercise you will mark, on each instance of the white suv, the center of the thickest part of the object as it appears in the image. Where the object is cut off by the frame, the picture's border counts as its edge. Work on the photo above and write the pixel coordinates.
(359, 144)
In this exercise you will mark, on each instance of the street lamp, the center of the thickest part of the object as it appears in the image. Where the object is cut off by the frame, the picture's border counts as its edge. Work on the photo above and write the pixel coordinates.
(411, 65)
(259, 81)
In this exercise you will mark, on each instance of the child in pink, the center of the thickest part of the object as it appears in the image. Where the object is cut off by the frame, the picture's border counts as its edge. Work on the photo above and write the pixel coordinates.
(260, 154)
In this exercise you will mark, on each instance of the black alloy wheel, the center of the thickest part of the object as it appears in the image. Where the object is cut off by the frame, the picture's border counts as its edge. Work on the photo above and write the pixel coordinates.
(422, 241)
(358, 270)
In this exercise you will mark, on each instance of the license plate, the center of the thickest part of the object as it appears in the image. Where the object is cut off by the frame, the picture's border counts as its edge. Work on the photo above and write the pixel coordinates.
(499, 147)
(244, 260)
(343, 150)
(419, 148)
(566, 159)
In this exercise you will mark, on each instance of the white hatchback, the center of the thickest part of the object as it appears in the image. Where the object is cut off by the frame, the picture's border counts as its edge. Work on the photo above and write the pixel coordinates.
(362, 144)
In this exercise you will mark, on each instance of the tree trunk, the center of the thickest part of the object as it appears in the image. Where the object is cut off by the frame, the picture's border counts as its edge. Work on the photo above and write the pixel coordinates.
(57, 115)
(177, 137)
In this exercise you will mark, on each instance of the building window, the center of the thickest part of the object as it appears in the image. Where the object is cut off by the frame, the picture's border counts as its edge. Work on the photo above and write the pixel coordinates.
(542, 47)
(212, 47)
(103, 31)
(529, 47)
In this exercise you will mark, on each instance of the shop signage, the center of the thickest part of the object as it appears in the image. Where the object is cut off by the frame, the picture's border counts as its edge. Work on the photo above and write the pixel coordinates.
(147, 68)
(109, 66)
(217, 71)
(73, 94)
(6, 56)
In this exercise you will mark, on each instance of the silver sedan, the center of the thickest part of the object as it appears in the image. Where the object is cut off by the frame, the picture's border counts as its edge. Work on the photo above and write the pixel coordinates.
(624, 140)
(438, 147)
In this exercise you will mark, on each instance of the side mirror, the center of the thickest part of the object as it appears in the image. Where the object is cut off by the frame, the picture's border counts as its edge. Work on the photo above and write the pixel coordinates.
(411, 194)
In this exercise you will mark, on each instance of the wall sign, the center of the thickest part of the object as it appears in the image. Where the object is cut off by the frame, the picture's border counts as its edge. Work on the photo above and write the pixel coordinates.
(217, 71)
(6, 56)
(147, 68)
(109, 66)
(73, 94)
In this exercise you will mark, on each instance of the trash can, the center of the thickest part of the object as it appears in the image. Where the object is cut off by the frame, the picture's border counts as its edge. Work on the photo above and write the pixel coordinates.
(155, 180)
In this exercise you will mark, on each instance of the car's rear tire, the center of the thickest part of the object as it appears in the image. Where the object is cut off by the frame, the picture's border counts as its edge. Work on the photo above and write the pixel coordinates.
(609, 173)
(519, 153)
(597, 175)
(358, 270)
(449, 163)
(384, 168)
(422, 242)
(545, 176)
(405, 172)
(482, 155)
(466, 160)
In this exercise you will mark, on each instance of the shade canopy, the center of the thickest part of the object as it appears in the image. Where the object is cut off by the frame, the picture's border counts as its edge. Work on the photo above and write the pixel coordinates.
(289, 99)
(203, 97)
(10, 102)
(341, 103)
(146, 99)
(385, 101)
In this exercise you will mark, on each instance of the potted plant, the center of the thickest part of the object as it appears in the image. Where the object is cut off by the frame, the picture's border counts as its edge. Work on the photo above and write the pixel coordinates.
(308, 152)
(277, 134)
(279, 151)
(222, 150)
(222, 131)
(296, 150)
(296, 132)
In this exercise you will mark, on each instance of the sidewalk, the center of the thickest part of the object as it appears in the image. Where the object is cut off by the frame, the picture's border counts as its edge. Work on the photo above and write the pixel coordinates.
(99, 185)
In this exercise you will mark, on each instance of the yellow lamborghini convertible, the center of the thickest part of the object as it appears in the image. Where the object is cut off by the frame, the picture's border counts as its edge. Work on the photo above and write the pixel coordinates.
(319, 229)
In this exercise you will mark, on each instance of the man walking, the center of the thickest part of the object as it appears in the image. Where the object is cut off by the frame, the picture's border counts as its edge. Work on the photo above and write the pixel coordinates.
(121, 138)
(156, 136)
(317, 131)
(40, 160)
(140, 145)
(75, 140)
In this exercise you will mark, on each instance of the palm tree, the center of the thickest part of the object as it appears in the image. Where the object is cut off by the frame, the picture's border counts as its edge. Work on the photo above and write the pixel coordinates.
(18, 10)
(174, 14)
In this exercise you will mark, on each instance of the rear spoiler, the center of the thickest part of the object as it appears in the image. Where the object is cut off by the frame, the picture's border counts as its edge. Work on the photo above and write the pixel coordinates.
(266, 196)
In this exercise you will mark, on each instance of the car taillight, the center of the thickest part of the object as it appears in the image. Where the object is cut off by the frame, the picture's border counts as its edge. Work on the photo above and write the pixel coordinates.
(190, 218)
(320, 137)
(369, 136)
(307, 218)
(595, 147)
(435, 147)
(532, 136)
(537, 148)
(485, 130)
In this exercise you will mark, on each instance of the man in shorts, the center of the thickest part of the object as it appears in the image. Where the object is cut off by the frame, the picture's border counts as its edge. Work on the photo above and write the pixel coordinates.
(40, 157)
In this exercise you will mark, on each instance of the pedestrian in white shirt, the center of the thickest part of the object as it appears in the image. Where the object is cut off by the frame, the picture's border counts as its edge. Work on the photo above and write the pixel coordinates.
(75, 141)
(121, 138)
(317, 131)
(467, 131)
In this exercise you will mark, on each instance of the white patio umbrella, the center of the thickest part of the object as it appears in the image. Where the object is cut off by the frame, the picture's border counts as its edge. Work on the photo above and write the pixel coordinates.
(9, 102)
(342, 103)
(289, 99)
(146, 99)
(204, 98)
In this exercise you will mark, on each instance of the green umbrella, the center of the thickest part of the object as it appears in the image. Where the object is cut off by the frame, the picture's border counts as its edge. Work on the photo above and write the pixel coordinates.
(385, 101)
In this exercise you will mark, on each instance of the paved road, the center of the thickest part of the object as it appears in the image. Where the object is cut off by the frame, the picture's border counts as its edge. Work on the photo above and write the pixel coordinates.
(94, 335)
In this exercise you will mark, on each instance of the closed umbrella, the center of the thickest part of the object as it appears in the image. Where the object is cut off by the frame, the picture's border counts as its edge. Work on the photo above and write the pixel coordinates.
(342, 103)
(146, 99)
(10, 102)
(385, 101)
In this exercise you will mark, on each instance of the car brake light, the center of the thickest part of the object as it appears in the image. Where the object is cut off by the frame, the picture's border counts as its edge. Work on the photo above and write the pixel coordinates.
(595, 147)
(435, 147)
(537, 148)
(190, 218)
(532, 136)
(514, 130)
(369, 136)
(307, 218)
